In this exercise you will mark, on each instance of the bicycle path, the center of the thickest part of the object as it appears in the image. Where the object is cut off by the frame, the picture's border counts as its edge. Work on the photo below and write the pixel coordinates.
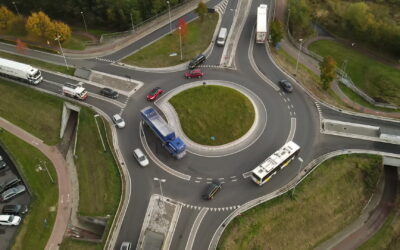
(64, 205)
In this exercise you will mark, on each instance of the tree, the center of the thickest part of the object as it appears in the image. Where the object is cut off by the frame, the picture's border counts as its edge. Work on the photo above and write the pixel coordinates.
(300, 18)
(21, 46)
(6, 16)
(60, 29)
(182, 29)
(328, 71)
(201, 10)
(276, 32)
(40, 25)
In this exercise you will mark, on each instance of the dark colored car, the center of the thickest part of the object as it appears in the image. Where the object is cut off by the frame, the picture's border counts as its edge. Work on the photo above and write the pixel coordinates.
(286, 85)
(211, 190)
(16, 209)
(3, 165)
(197, 61)
(154, 94)
(107, 92)
(194, 74)
(9, 183)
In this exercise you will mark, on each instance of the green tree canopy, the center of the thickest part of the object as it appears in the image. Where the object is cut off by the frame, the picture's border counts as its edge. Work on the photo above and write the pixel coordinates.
(328, 71)
(276, 32)
(6, 17)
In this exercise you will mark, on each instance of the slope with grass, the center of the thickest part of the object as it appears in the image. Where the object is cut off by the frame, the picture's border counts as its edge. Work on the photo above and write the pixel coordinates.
(34, 232)
(324, 203)
(213, 115)
(198, 38)
(378, 80)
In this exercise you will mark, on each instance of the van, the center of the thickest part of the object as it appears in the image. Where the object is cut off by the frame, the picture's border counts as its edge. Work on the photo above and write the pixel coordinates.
(222, 36)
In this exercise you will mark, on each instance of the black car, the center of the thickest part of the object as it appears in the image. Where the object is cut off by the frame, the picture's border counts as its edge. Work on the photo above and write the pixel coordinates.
(9, 183)
(15, 209)
(3, 165)
(197, 61)
(107, 92)
(286, 85)
(211, 190)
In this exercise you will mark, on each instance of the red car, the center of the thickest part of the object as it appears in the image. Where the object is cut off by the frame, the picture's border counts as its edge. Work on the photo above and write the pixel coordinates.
(154, 94)
(194, 73)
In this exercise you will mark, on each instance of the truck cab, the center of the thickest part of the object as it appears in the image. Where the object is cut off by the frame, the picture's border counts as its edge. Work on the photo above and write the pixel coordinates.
(75, 91)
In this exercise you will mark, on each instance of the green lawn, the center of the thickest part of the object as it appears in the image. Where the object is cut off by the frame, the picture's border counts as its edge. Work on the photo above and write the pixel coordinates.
(38, 223)
(34, 111)
(217, 111)
(38, 63)
(378, 80)
(325, 202)
(72, 244)
(99, 178)
(199, 35)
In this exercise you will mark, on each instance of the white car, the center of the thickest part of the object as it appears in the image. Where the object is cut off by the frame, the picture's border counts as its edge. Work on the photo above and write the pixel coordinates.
(117, 119)
(9, 220)
(140, 157)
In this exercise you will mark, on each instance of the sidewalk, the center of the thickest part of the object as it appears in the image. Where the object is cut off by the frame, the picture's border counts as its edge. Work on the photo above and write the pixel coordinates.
(64, 206)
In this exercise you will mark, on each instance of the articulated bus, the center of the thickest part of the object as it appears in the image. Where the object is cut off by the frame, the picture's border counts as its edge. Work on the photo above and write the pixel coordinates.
(278, 160)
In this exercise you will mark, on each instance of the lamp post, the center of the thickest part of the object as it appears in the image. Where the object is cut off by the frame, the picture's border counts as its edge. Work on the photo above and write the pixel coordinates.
(133, 27)
(298, 174)
(159, 181)
(169, 14)
(298, 55)
(62, 52)
(288, 15)
(15, 5)
(180, 40)
(84, 22)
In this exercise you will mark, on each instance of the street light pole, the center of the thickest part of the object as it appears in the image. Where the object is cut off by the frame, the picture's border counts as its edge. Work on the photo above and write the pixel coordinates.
(15, 5)
(84, 22)
(287, 24)
(169, 14)
(159, 181)
(62, 52)
(133, 28)
(298, 55)
(180, 40)
(298, 174)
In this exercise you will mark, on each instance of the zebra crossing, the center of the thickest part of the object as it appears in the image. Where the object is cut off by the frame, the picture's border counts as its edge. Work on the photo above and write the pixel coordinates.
(105, 60)
(212, 209)
(319, 109)
(211, 66)
(221, 7)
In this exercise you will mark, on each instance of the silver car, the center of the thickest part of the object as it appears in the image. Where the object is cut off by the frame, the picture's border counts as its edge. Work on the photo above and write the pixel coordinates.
(117, 119)
(11, 192)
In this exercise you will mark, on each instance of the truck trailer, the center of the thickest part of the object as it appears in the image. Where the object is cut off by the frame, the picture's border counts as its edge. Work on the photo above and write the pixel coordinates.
(75, 91)
(262, 21)
(20, 71)
(164, 132)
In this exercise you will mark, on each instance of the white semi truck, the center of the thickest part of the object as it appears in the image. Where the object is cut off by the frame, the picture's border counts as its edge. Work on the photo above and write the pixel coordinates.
(75, 91)
(261, 31)
(20, 71)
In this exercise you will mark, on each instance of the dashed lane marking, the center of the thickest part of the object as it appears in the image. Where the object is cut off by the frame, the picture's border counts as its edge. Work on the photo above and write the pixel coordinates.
(247, 174)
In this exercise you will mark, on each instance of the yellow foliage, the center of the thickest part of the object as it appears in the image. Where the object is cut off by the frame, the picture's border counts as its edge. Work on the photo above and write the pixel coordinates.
(6, 16)
(60, 29)
(39, 24)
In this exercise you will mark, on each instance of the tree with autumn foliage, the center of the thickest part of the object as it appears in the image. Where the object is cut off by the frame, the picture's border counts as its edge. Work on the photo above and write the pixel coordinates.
(182, 29)
(201, 10)
(40, 25)
(6, 17)
(60, 29)
(328, 71)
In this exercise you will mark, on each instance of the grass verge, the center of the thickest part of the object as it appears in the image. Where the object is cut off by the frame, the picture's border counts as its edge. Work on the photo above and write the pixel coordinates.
(38, 223)
(198, 38)
(38, 63)
(213, 115)
(69, 244)
(325, 202)
(99, 179)
(34, 111)
(378, 80)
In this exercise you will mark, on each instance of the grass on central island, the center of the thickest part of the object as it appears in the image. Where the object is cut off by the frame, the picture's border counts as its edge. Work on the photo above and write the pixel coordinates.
(213, 115)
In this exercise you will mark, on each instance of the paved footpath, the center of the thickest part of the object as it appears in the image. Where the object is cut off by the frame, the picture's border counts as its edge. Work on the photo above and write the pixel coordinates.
(64, 186)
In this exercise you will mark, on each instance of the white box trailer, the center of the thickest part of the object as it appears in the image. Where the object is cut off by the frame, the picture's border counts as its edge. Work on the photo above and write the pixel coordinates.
(262, 21)
(75, 91)
(20, 71)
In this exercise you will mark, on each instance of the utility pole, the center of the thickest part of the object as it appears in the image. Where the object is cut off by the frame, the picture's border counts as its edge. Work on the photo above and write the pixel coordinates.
(169, 14)
(84, 22)
(62, 52)
(15, 5)
(298, 55)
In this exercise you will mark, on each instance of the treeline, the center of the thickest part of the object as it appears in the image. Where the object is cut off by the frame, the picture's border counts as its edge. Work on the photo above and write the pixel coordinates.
(113, 14)
(372, 22)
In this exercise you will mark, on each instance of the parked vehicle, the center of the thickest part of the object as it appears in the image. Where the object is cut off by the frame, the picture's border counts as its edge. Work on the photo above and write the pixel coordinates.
(223, 32)
(75, 91)
(16, 209)
(3, 165)
(20, 71)
(9, 220)
(164, 132)
(126, 245)
(196, 73)
(211, 190)
(11, 192)
(286, 86)
(154, 94)
(197, 61)
(117, 119)
(9, 183)
(261, 29)
(110, 93)
(140, 157)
